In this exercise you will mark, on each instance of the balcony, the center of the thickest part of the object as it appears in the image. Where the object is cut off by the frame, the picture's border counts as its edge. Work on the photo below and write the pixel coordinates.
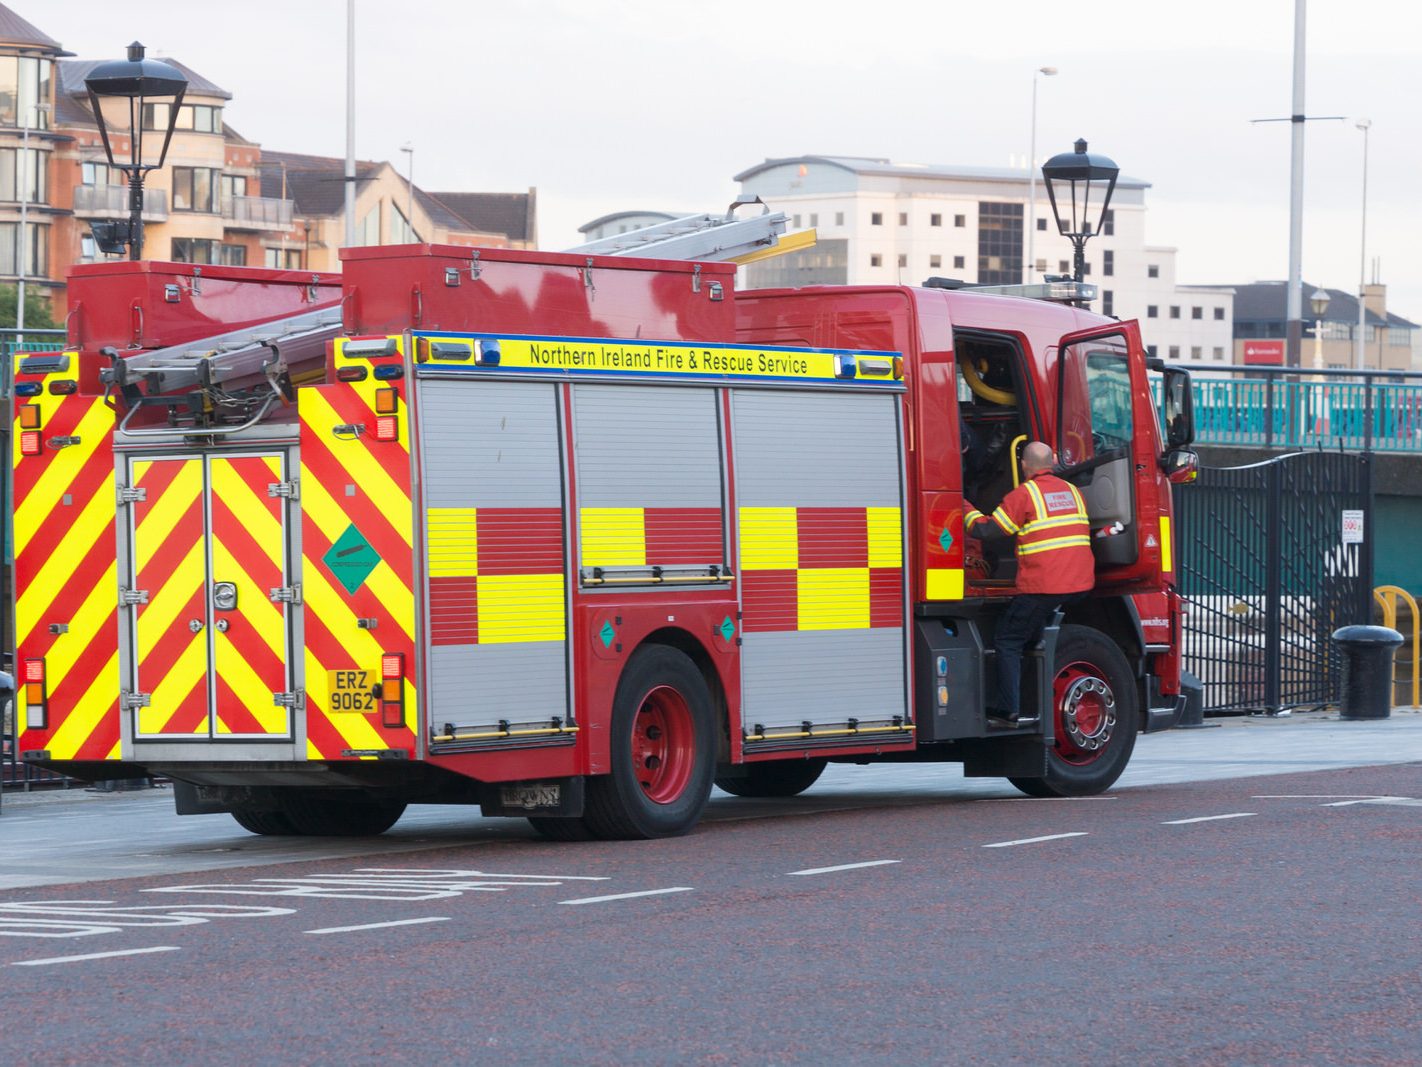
(111, 202)
(257, 213)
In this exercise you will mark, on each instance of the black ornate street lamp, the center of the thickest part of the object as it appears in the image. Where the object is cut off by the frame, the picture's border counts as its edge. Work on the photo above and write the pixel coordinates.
(1076, 175)
(126, 95)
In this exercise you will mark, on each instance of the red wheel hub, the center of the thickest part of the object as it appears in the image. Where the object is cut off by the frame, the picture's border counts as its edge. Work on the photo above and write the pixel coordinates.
(663, 745)
(1086, 713)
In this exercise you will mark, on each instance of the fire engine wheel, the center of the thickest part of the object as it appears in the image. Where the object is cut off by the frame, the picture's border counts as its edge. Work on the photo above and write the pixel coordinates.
(1096, 717)
(267, 823)
(663, 750)
(340, 814)
(776, 778)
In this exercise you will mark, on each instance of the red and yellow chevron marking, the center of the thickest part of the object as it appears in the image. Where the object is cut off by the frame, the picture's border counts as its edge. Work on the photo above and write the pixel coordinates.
(350, 480)
(651, 537)
(821, 568)
(249, 550)
(65, 575)
(496, 575)
(170, 565)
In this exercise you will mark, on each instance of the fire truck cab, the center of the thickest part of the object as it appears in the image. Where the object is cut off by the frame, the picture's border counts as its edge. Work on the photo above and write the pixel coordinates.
(568, 537)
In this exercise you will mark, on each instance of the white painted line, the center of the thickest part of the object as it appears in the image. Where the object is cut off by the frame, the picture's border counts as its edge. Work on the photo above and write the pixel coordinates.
(1402, 802)
(379, 926)
(846, 867)
(1209, 818)
(95, 956)
(1034, 840)
(1314, 796)
(629, 896)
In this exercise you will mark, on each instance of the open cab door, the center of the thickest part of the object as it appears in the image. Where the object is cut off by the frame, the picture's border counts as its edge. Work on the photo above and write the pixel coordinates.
(1106, 444)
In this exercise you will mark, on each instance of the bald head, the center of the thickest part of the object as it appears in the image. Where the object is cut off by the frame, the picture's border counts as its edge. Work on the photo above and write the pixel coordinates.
(1036, 458)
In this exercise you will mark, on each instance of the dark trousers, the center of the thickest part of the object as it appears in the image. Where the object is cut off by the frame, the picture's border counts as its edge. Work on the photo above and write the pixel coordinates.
(1021, 625)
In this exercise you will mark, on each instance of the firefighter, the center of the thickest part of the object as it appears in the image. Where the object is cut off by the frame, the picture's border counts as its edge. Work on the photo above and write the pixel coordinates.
(1047, 517)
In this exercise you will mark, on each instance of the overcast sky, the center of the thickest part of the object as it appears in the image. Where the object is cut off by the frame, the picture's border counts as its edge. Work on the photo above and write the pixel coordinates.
(605, 105)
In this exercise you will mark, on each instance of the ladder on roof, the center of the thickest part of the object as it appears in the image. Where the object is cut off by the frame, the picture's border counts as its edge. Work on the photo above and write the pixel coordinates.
(268, 349)
(717, 238)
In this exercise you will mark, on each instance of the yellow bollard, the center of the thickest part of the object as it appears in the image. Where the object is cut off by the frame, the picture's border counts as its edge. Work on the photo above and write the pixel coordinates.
(1387, 597)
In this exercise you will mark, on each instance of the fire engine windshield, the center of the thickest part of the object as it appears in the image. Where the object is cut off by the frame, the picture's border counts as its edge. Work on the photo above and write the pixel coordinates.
(1094, 412)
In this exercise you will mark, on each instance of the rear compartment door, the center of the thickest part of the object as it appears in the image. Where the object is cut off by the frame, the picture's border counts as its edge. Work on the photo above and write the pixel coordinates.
(208, 590)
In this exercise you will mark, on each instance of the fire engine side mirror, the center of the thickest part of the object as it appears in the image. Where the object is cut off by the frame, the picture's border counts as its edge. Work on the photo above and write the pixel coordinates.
(1177, 408)
(1181, 466)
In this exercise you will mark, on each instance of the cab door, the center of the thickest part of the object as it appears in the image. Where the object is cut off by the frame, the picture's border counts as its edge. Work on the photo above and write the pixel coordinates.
(1106, 445)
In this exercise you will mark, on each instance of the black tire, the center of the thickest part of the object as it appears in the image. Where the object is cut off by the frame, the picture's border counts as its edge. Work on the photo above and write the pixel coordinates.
(776, 778)
(267, 823)
(560, 829)
(662, 706)
(1095, 730)
(340, 814)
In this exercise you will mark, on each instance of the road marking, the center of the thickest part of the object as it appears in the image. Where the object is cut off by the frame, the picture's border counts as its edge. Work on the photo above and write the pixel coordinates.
(1209, 818)
(629, 896)
(1315, 796)
(379, 926)
(1401, 802)
(1035, 840)
(845, 867)
(95, 956)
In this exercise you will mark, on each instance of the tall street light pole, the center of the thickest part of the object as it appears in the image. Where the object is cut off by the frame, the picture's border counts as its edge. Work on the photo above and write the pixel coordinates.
(1030, 266)
(1294, 324)
(1359, 343)
(409, 149)
(350, 124)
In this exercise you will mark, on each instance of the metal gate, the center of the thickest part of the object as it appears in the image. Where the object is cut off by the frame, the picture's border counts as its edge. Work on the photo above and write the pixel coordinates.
(1273, 558)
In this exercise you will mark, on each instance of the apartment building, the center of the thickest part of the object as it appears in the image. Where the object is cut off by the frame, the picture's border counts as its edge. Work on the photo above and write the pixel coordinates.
(881, 222)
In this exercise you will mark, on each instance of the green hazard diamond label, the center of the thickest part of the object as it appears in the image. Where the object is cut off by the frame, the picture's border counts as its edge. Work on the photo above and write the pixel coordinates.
(608, 634)
(728, 628)
(945, 539)
(351, 559)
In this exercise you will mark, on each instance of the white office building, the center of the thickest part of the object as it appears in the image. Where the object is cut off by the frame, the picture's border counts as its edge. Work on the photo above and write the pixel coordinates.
(900, 223)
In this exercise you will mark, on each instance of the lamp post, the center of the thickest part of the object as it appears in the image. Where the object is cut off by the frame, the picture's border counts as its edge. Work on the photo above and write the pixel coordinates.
(125, 95)
(1318, 302)
(24, 182)
(409, 149)
(1075, 173)
(1359, 351)
(1031, 265)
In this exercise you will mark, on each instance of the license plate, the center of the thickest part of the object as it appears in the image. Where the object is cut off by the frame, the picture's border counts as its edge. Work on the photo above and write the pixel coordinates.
(352, 691)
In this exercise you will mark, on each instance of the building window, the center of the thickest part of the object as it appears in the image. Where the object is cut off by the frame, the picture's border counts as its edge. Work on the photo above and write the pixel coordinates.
(1041, 266)
(960, 221)
(24, 82)
(1108, 262)
(1174, 311)
(903, 218)
(839, 218)
(200, 118)
(935, 262)
(402, 233)
(1063, 266)
(1042, 224)
(37, 260)
(935, 220)
(1196, 352)
(370, 227)
(814, 220)
(1108, 302)
(1108, 224)
(1174, 351)
(97, 174)
(903, 260)
(999, 243)
(233, 185)
(876, 218)
(1152, 312)
(1197, 313)
(960, 262)
(283, 258)
(1150, 351)
(1219, 352)
(232, 255)
(876, 260)
(194, 250)
(1152, 271)
(795, 221)
(33, 165)
(1219, 314)
(195, 189)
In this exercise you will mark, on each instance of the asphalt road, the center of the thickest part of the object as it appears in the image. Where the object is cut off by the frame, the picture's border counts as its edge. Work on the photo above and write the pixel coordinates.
(1244, 917)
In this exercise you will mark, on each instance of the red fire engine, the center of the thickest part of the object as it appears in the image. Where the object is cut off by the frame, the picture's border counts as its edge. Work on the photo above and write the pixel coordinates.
(570, 537)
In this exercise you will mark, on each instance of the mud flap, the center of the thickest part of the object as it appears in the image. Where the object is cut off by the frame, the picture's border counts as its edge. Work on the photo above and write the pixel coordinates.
(557, 797)
(1024, 757)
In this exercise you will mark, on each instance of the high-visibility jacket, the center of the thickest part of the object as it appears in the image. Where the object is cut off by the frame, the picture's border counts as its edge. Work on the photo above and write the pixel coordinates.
(1047, 517)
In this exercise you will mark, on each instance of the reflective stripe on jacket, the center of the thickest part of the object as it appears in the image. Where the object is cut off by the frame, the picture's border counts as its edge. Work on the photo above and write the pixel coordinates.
(1047, 517)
